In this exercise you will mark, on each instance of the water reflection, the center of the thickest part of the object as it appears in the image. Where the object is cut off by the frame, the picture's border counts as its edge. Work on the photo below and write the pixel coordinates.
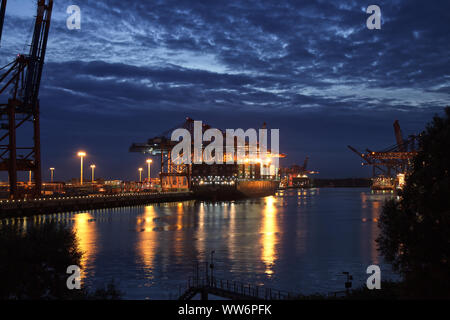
(146, 244)
(298, 240)
(178, 236)
(85, 230)
(232, 232)
(200, 234)
(371, 205)
(376, 208)
(269, 231)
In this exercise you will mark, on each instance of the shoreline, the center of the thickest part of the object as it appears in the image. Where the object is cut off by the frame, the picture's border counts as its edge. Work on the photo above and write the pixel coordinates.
(26, 208)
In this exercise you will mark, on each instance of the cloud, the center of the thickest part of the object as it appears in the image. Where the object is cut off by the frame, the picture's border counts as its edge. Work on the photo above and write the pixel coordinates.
(280, 58)
(252, 49)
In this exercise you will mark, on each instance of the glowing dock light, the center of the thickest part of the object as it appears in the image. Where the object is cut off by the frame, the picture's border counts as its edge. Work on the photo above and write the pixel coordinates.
(92, 176)
(400, 180)
(51, 174)
(140, 174)
(149, 162)
(81, 154)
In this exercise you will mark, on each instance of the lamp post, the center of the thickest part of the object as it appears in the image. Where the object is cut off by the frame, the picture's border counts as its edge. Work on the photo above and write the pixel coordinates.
(51, 174)
(140, 174)
(29, 178)
(149, 162)
(348, 283)
(92, 176)
(81, 154)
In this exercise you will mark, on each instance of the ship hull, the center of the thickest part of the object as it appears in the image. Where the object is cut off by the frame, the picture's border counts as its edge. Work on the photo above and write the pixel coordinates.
(241, 190)
(383, 184)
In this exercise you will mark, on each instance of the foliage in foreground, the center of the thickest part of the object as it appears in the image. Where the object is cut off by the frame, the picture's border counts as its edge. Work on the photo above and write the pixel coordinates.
(415, 231)
(33, 264)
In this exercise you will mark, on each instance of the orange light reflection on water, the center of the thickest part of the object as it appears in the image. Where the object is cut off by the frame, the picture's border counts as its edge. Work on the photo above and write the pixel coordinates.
(145, 246)
(85, 230)
(269, 232)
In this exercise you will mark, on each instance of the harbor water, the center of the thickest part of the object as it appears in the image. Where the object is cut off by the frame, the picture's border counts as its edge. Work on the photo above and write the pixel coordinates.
(297, 240)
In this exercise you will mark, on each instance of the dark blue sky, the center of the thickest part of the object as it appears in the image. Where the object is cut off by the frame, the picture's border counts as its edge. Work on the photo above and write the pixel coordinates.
(310, 68)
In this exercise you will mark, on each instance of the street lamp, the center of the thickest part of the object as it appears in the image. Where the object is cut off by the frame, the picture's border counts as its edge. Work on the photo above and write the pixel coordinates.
(81, 154)
(149, 162)
(51, 174)
(140, 174)
(92, 167)
(29, 178)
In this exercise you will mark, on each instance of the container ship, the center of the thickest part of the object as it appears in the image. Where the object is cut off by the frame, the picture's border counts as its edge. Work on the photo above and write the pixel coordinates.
(254, 175)
(233, 181)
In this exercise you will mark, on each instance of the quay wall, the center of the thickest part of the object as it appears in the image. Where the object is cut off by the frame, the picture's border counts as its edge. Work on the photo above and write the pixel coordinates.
(30, 207)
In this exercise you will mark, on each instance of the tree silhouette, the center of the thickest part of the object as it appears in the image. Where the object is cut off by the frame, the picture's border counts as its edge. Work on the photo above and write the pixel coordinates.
(415, 231)
(34, 261)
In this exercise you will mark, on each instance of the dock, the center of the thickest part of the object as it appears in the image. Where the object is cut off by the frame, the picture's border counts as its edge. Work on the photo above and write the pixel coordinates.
(30, 207)
(233, 290)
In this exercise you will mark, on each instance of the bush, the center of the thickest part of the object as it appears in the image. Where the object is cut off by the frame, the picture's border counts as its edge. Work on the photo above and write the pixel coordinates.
(34, 261)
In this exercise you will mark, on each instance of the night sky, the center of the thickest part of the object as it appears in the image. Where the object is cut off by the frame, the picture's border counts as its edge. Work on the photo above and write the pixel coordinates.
(310, 68)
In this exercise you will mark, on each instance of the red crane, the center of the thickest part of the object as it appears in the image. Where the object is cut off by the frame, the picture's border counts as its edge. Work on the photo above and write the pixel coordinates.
(21, 82)
(391, 162)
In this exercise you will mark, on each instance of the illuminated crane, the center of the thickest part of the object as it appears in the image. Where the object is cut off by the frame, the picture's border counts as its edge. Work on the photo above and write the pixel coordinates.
(180, 175)
(392, 163)
(171, 174)
(296, 176)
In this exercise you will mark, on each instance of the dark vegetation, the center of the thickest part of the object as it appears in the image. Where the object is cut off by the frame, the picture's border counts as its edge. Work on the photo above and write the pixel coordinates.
(34, 260)
(415, 231)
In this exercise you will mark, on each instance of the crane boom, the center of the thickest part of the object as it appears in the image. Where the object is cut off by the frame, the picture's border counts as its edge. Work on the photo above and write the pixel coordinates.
(2, 17)
(305, 164)
(398, 136)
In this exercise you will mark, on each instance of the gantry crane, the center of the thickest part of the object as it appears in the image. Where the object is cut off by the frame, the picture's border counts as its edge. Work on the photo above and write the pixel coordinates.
(171, 173)
(392, 162)
(19, 86)
(296, 176)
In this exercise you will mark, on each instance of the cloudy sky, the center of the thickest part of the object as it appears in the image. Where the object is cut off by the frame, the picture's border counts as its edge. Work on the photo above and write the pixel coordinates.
(310, 68)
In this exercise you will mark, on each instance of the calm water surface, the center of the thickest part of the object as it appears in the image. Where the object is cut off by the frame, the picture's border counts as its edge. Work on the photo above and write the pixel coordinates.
(297, 240)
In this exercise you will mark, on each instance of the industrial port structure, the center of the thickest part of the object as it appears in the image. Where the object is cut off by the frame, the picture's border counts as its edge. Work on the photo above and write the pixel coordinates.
(19, 106)
(21, 80)
(296, 176)
(390, 165)
(171, 175)
(255, 175)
